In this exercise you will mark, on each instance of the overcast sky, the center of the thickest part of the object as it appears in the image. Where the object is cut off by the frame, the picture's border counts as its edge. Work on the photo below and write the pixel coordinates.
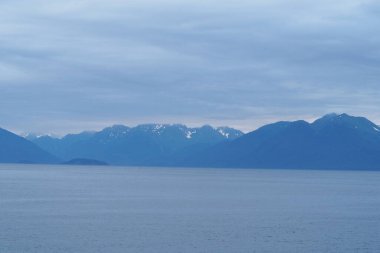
(67, 66)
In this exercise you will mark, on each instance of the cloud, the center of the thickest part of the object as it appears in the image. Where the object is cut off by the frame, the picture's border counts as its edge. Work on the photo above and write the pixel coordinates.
(240, 63)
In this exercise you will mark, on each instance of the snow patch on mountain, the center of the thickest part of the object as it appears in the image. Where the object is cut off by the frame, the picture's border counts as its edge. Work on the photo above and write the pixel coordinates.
(189, 133)
(34, 136)
(225, 134)
(158, 128)
(117, 131)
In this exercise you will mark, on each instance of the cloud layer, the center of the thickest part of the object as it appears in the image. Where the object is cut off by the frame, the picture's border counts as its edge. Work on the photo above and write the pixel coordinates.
(71, 65)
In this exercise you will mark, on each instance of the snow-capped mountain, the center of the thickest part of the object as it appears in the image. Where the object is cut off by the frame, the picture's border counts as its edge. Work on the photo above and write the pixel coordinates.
(331, 142)
(148, 144)
(335, 141)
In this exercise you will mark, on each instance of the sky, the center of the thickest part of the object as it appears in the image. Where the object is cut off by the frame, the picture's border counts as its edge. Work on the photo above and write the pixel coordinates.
(68, 66)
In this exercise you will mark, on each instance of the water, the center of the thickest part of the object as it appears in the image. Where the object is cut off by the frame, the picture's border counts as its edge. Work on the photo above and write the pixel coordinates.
(48, 209)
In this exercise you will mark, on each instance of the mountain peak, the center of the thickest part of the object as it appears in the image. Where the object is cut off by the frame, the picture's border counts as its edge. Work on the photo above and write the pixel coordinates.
(347, 121)
(343, 117)
(16, 149)
(335, 116)
(330, 115)
(116, 129)
(229, 132)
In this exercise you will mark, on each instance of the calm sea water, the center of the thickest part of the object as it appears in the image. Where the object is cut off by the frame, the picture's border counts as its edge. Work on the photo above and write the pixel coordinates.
(48, 209)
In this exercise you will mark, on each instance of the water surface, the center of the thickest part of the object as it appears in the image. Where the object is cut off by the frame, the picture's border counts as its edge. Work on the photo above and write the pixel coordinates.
(48, 209)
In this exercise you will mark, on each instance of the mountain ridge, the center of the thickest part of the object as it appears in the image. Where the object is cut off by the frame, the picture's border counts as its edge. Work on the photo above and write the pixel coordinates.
(334, 141)
(15, 149)
(331, 142)
(144, 144)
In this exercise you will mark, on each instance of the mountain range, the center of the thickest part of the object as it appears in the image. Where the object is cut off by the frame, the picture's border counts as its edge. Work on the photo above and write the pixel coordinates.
(15, 149)
(331, 142)
(144, 145)
(335, 141)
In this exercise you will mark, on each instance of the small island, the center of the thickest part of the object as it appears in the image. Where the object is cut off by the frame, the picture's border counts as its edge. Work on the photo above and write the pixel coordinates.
(84, 161)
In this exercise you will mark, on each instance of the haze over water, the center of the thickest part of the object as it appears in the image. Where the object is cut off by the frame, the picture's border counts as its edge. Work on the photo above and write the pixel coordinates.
(117, 209)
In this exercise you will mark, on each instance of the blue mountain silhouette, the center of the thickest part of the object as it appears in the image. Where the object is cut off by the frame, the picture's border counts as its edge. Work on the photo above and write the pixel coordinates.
(331, 142)
(15, 149)
(149, 144)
